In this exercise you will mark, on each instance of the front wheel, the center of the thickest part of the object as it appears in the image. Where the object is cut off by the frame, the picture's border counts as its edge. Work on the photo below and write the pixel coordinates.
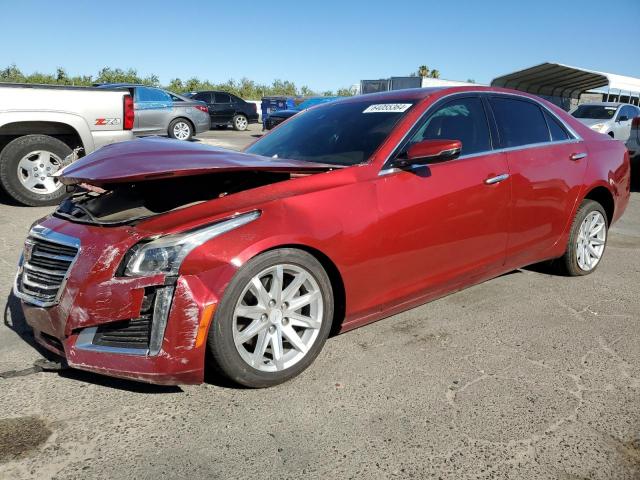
(587, 240)
(240, 123)
(180, 129)
(273, 319)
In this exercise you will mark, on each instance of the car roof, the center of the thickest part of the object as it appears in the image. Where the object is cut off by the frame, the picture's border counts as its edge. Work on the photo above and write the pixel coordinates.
(417, 94)
(214, 91)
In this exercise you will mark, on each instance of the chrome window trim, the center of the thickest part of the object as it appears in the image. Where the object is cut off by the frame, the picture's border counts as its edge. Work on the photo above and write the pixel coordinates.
(48, 235)
(388, 171)
(576, 137)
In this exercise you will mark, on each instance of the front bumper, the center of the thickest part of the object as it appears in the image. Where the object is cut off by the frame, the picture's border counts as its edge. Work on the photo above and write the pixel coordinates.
(93, 299)
(178, 361)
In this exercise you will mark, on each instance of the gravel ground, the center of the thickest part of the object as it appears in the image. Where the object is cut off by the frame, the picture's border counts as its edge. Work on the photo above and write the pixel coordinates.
(527, 376)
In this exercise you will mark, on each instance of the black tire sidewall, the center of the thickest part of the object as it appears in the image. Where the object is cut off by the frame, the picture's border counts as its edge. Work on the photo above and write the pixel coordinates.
(11, 156)
(570, 259)
(234, 122)
(220, 340)
(173, 124)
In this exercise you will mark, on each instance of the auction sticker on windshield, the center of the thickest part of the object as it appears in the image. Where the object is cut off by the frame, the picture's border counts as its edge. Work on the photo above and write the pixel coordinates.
(387, 108)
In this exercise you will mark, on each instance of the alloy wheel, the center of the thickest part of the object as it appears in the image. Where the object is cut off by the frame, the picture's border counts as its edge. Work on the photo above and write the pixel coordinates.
(241, 123)
(277, 317)
(591, 241)
(35, 170)
(181, 131)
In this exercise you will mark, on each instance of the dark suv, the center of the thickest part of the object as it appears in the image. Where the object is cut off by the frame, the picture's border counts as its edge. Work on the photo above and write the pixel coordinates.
(227, 109)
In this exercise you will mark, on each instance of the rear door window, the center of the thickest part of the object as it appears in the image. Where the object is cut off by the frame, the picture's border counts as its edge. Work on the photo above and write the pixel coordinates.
(520, 122)
(462, 119)
(203, 97)
(557, 131)
(222, 98)
(146, 94)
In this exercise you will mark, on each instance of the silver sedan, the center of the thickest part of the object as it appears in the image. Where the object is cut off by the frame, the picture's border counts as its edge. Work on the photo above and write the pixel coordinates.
(159, 112)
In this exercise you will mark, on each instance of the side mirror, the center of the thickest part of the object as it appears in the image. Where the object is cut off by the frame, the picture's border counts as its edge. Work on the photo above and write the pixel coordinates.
(429, 151)
(623, 118)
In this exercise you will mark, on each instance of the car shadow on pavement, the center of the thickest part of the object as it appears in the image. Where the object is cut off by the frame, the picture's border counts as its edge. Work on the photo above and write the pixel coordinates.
(7, 200)
(14, 320)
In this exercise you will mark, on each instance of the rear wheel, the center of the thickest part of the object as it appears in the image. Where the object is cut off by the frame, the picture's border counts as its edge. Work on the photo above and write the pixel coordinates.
(26, 166)
(587, 240)
(273, 319)
(240, 122)
(180, 129)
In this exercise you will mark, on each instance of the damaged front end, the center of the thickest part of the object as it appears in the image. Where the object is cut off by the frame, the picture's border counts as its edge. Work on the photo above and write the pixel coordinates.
(109, 294)
(129, 203)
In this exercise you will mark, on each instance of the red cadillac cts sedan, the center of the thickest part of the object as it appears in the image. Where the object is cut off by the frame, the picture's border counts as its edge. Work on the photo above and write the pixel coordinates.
(347, 213)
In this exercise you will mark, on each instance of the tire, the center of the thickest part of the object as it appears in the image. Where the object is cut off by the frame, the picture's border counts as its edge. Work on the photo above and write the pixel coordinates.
(240, 122)
(572, 263)
(25, 165)
(181, 129)
(240, 363)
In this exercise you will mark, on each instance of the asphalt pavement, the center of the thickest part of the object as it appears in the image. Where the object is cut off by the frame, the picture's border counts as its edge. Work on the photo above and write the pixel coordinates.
(527, 376)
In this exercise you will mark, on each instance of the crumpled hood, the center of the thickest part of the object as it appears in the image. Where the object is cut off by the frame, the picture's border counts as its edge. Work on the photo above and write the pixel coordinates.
(156, 158)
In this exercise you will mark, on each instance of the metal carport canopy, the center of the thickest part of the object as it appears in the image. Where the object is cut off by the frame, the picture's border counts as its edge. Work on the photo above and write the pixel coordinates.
(557, 80)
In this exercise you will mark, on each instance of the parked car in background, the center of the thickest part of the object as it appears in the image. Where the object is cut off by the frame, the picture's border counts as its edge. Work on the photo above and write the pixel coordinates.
(160, 112)
(348, 213)
(279, 116)
(613, 119)
(40, 125)
(633, 144)
(225, 109)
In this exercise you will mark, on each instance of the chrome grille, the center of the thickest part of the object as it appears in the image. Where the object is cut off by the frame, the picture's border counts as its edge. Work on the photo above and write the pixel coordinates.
(46, 262)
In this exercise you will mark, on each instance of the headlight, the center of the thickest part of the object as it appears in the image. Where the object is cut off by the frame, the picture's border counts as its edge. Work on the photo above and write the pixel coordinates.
(165, 254)
(598, 126)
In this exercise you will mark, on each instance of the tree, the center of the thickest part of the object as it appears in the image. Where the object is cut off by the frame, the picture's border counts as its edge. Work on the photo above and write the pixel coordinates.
(12, 74)
(61, 75)
(306, 91)
(470, 80)
(244, 88)
(435, 74)
(345, 92)
(423, 71)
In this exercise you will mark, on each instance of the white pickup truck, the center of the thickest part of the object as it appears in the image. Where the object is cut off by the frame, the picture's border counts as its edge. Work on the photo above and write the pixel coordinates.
(40, 125)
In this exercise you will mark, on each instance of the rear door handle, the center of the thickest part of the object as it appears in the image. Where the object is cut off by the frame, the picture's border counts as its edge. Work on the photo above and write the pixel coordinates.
(577, 156)
(496, 179)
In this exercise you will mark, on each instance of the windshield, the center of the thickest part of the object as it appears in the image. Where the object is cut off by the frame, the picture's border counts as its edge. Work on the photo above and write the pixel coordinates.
(341, 133)
(596, 112)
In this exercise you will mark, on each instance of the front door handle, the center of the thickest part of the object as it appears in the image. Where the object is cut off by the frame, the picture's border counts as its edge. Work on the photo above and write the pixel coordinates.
(496, 179)
(577, 156)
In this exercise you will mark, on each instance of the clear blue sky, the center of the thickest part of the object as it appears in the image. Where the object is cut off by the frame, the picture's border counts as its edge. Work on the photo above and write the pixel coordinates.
(323, 44)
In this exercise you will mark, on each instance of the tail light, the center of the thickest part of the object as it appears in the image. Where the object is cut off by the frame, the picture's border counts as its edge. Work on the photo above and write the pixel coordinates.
(129, 114)
(636, 123)
(202, 108)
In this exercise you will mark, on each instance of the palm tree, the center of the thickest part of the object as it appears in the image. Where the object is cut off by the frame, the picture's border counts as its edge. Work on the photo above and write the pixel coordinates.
(423, 71)
(435, 73)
